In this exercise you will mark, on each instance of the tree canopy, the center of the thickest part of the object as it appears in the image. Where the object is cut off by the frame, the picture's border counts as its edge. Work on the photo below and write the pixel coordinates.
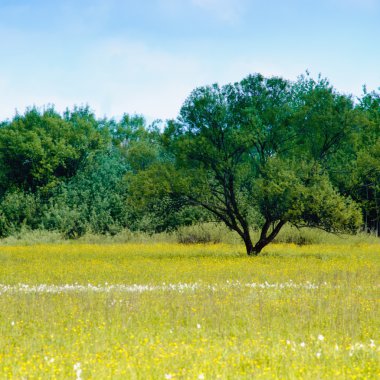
(39, 149)
(254, 155)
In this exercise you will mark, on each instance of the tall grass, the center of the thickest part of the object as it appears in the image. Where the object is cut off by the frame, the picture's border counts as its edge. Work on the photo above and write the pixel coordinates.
(174, 311)
(199, 233)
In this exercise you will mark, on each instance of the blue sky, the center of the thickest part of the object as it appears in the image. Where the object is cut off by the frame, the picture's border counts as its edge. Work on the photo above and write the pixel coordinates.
(146, 56)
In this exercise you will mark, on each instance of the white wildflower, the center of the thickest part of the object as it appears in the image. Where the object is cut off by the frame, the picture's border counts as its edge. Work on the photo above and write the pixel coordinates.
(288, 342)
(78, 371)
(302, 344)
(198, 326)
(168, 376)
(12, 323)
(318, 354)
(321, 337)
(201, 376)
(372, 344)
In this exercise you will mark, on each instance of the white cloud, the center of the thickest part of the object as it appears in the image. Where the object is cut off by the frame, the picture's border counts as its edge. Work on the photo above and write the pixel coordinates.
(129, 76)
(117, 75)
(113, 76)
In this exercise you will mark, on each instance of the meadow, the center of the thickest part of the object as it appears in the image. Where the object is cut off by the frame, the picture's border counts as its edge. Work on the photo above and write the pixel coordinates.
(172, 311)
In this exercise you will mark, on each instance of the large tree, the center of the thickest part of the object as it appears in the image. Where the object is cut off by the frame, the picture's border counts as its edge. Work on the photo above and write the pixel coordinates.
(366, 172)
(253, 154)
(355, 168)
(41, 148)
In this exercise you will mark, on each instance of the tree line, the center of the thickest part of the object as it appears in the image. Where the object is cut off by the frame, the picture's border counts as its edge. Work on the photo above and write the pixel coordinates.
(255, 155)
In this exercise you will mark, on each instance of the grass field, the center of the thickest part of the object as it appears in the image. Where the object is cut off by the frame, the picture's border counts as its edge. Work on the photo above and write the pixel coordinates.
(169, 311)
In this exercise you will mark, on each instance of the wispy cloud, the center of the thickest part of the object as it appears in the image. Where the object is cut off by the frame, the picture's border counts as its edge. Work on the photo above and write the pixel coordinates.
(226, 10)
(119, 77)
(124, 75)
(146, 57)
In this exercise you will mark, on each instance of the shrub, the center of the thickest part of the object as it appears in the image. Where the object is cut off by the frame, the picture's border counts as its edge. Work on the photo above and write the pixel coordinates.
(201, 233)
(18, 209)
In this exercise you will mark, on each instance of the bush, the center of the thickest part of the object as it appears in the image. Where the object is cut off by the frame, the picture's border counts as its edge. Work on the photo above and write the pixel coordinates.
(92, 201)
(308, 236)
(18, 209)
(202, 233)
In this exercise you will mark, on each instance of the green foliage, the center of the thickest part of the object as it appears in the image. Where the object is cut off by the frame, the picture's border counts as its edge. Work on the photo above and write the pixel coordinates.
(256, 155)
(130, 128)
(302, 194)
(93, 200)
(367, 187)
(355, 168)
(367, 171)
(201, 233)
(242, 149)
(153, 205)
(17, 210)
(323, 119)
(39, 149)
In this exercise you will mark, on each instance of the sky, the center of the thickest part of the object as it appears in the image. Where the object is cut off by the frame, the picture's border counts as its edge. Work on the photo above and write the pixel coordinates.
(146, 56)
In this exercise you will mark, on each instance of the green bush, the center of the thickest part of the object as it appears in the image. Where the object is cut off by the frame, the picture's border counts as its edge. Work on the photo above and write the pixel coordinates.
(18, 209)
(92, 201)
(204, 233)
(308, 236)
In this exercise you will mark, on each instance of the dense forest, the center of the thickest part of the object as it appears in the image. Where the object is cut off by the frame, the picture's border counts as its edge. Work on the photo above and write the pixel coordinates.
(255, 155)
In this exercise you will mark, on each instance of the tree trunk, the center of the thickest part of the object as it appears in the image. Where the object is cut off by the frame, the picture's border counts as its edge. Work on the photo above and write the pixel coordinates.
(249, 245)
(260, 245)
(266, 239)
